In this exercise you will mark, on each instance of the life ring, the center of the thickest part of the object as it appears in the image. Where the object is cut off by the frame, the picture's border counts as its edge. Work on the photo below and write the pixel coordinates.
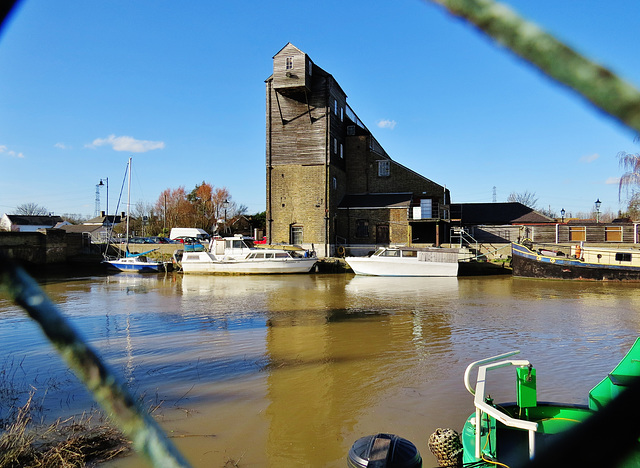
(578, 252)
(340, 251)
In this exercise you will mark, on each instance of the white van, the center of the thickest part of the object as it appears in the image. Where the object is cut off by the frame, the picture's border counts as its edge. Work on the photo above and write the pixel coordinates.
(188, 232)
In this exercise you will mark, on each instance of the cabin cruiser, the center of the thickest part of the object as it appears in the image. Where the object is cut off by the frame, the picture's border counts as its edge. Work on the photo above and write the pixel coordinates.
(239, 255)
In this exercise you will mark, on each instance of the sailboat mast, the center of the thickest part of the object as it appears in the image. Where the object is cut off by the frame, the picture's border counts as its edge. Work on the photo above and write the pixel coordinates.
(128, 201)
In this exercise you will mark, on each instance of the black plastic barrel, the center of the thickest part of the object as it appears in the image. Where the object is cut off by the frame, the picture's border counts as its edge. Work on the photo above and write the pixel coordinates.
(383, 451)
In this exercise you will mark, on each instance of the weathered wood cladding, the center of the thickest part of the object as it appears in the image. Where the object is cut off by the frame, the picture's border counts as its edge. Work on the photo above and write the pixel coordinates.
(292, 70)
(298, 130)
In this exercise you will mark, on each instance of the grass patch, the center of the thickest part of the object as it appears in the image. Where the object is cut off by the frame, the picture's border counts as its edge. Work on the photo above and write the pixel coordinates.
(73, 442)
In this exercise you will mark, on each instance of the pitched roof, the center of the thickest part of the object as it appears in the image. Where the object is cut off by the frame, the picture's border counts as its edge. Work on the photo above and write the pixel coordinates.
(109, 219)
(376, 200)
(497, 213)
(32, 220)
(82, 227)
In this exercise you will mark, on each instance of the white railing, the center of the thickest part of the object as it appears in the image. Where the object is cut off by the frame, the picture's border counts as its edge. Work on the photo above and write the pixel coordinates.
(479, 399)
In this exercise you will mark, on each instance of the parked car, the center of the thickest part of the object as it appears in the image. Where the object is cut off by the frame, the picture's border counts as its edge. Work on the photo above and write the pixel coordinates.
(187, 240)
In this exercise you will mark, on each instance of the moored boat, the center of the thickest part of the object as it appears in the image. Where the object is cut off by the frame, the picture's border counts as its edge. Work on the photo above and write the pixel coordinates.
(137, 263)
(407, 261)
(237, 255)
(581, 263)
(510, 434)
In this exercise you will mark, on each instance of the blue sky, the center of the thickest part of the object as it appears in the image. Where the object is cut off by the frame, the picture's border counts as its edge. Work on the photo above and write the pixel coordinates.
(85, 85)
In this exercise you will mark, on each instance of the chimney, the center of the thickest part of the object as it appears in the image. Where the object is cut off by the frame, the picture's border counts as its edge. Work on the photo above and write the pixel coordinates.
(123, 215)
(102, 214)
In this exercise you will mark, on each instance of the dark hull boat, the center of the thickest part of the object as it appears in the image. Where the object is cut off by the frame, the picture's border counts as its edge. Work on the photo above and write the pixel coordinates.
(583, 263)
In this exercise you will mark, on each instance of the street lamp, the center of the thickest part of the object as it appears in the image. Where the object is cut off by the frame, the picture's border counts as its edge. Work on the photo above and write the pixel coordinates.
(102, 184)
(562, 213)
(598, 204)
(225, 204)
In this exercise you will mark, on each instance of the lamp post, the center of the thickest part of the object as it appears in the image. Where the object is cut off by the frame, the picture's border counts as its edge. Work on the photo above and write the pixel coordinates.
(598, 204)
(562, 213)
(101, 184)
(225, 204)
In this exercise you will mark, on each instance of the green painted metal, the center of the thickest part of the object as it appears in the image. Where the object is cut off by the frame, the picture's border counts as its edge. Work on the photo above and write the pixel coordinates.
(510, 445)
(617, 380)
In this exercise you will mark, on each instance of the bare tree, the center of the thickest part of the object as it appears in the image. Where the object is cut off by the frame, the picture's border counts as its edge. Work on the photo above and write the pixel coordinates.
(31, 209)
(526, 198)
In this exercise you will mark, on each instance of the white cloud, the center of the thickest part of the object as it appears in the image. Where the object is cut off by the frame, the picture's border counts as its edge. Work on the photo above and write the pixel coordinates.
(590, 158)
(62, 146)
(390, 124)
(10, 153)
(126, 143)
(612, 181)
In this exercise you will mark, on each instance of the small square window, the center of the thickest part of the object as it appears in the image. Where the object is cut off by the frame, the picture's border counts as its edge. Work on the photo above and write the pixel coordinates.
(289, 63)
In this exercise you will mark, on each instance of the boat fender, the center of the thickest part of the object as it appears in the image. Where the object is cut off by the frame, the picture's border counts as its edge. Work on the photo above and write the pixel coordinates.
(340, 251)
(446, 446)
(578, 252)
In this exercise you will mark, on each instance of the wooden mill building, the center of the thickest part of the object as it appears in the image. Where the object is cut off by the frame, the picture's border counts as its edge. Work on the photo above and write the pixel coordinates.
(330, 184)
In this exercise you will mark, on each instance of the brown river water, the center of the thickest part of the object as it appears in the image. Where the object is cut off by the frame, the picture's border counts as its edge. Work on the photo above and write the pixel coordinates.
(281, 371)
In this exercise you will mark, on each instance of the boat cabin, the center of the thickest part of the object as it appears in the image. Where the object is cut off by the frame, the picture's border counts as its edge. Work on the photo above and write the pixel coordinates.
(607, 256)
(236, 245)
(435, 254)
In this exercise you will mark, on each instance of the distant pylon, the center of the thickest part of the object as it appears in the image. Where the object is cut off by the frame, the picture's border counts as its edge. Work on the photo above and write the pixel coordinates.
(97, 200)
(494, 194)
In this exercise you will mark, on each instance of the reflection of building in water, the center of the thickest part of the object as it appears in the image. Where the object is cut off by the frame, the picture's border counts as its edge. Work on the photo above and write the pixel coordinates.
(329, 366)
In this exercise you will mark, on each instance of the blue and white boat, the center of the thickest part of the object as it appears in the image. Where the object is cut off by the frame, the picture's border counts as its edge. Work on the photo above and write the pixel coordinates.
(137, 262)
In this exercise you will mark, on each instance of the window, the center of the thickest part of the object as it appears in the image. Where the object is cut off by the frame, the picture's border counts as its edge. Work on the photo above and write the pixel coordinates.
(613, 233)
(335, 106)
(577, 233)
(289, 63)
(362, 228)
(426, 208)
(335, 183)
(335, 146)
(384, 168)
(310, 68)
(623, 257)
(296, 235)
(341, 151)
(342, 114)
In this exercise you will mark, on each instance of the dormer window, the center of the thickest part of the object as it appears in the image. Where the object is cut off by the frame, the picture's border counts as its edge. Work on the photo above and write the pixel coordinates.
(289, 63)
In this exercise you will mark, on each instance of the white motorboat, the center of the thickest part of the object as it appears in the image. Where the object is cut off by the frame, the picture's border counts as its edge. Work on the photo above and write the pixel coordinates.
(407, 261)
(238, 256)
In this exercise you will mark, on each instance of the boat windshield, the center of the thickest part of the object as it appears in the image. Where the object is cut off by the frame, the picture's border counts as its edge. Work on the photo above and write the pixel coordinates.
(390, 253)
(248, 243)
(409, 253)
